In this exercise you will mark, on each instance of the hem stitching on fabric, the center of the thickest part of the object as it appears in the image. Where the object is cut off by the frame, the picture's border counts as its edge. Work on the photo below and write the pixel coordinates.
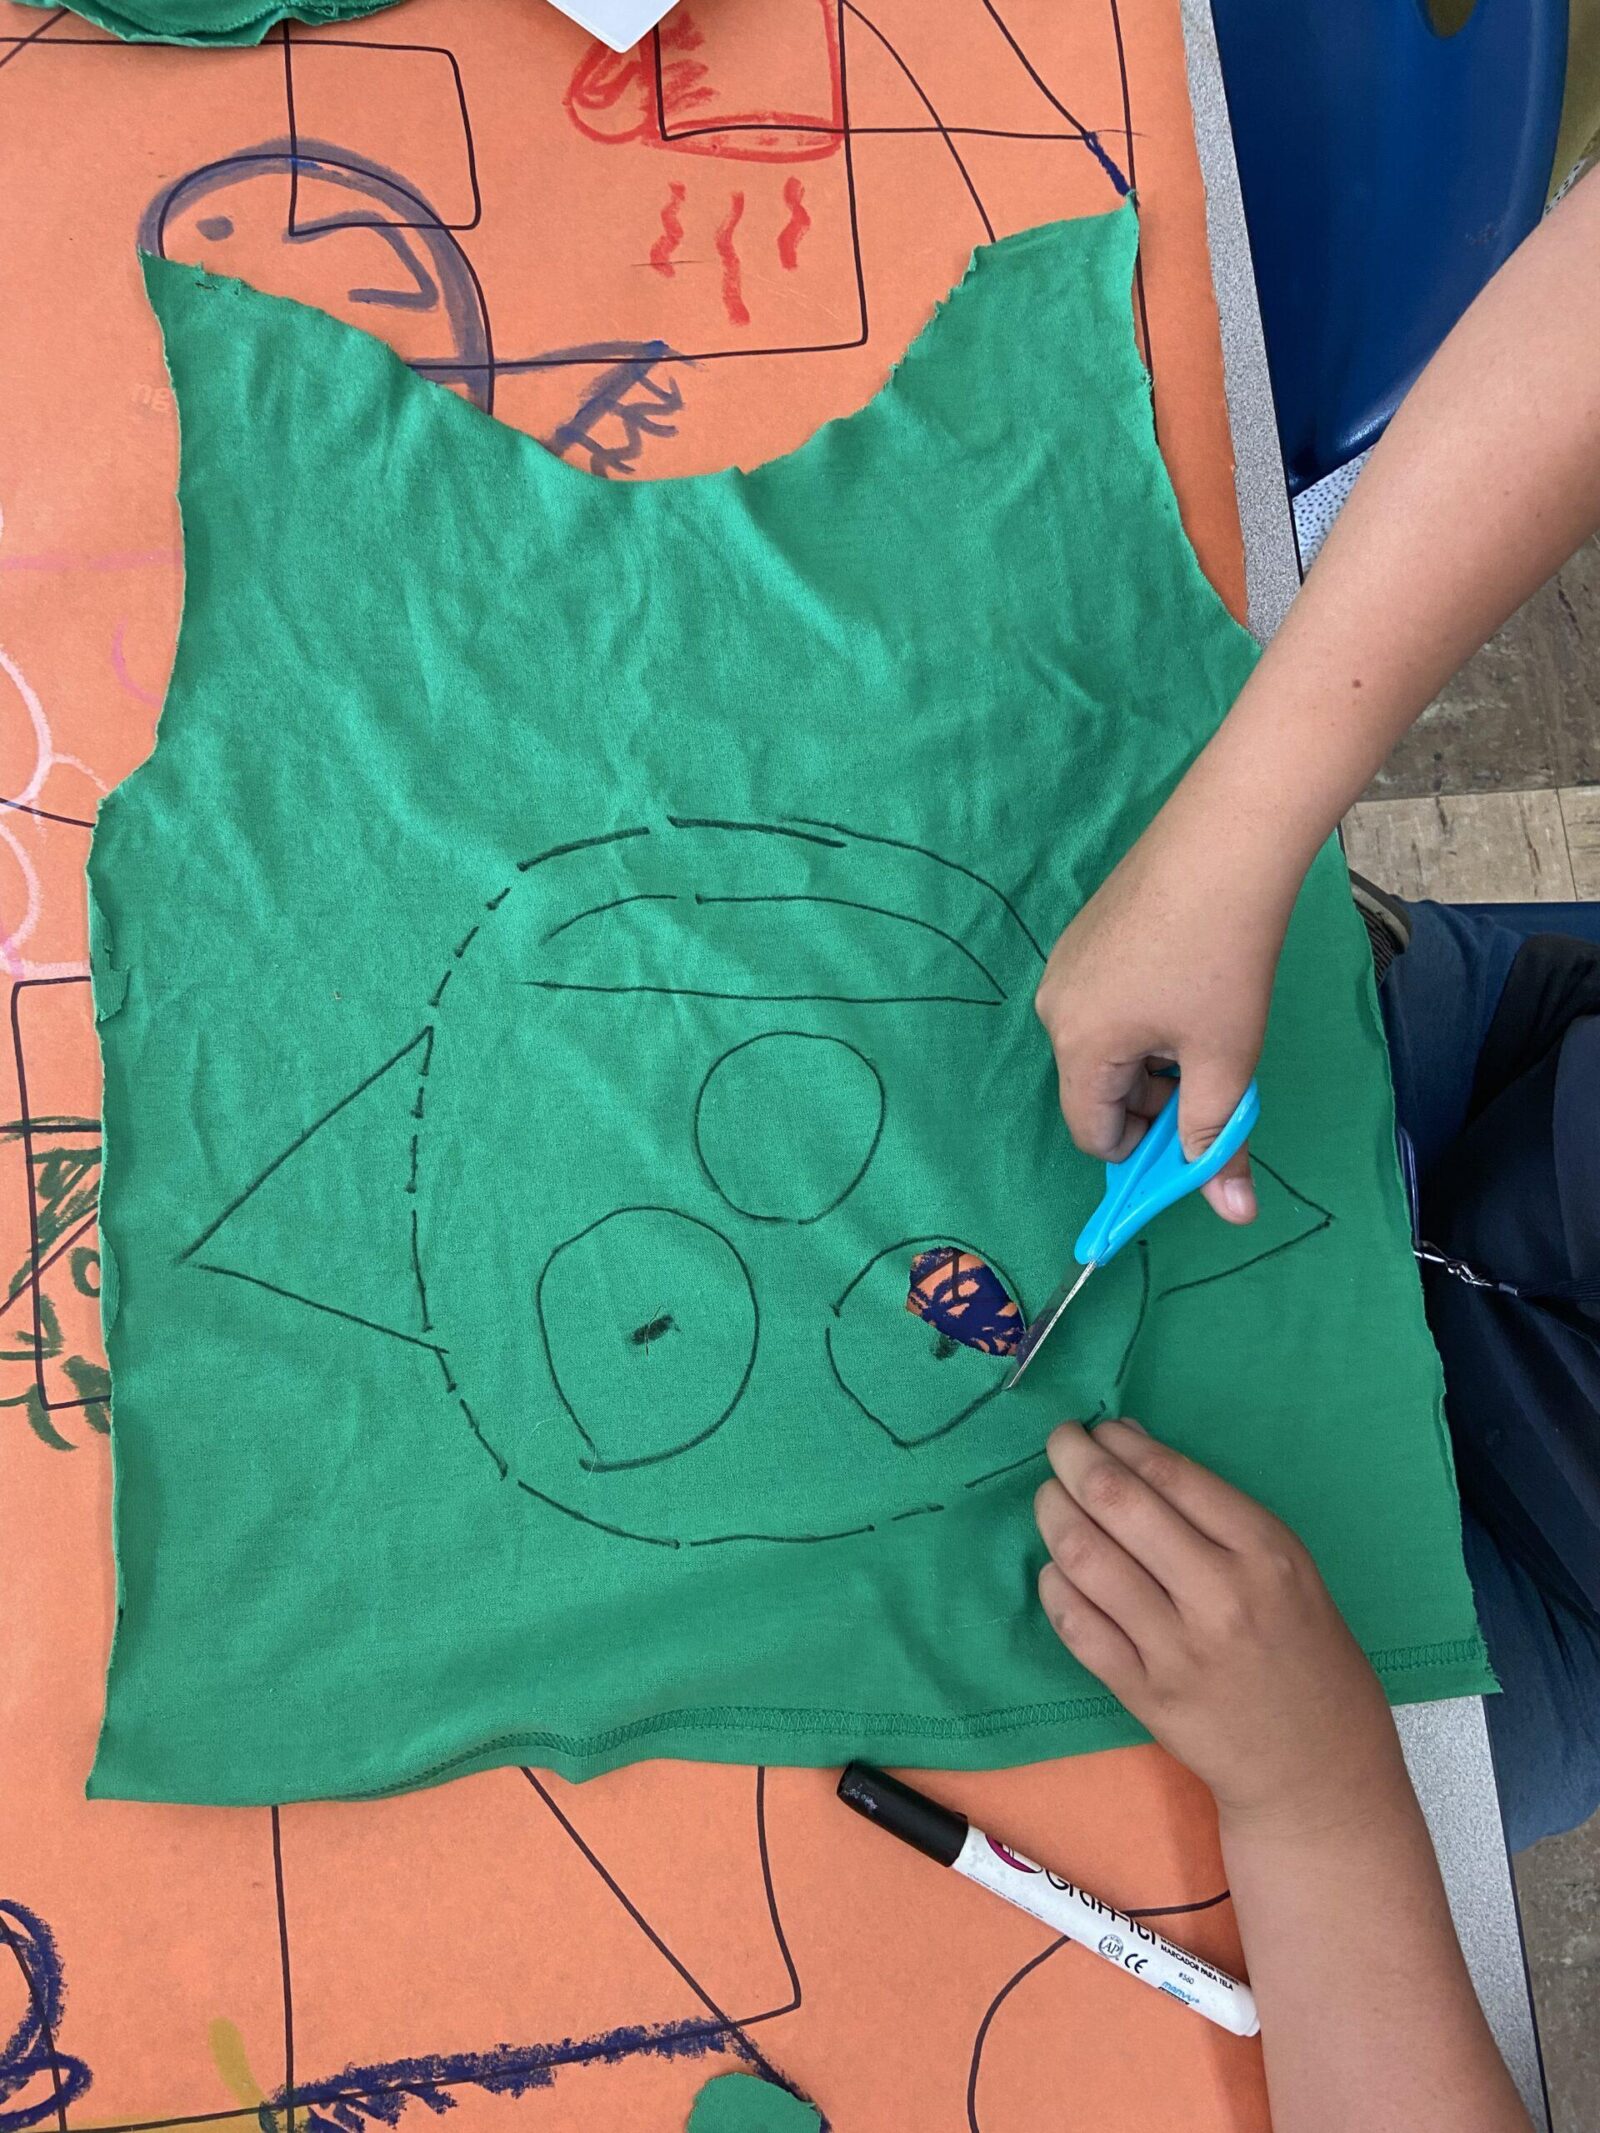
(870, 1725)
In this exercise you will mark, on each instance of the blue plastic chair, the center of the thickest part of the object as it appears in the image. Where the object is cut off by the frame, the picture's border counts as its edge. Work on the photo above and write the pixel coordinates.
(1387, 172)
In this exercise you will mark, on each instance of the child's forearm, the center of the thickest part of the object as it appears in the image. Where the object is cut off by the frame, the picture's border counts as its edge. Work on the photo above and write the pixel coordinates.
(1208, 1619)
(1486, 481)
(1368, 2017)
(1488, 478)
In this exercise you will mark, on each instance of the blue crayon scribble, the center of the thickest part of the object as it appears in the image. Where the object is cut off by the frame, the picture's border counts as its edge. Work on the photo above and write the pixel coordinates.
(1092, 142)
(31, 2047)
(439, 270)
(625, 390)
(363, 2095)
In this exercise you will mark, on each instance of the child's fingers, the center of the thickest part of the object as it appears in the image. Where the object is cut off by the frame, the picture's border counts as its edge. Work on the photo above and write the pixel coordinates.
(1095, 1096)
(1103, 1571)
(1211, 1507)
(1093, 1639)
(1208, 1095)
(1232, 1192)
(1148, 1525)
(1146, 1098)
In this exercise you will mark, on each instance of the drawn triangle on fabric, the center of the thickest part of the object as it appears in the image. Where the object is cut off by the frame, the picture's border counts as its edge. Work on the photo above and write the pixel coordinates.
(1213, 1251)
(330, 1222)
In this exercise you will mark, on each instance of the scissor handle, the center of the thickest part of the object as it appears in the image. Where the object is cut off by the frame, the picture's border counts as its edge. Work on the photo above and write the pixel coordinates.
(1156, 1174)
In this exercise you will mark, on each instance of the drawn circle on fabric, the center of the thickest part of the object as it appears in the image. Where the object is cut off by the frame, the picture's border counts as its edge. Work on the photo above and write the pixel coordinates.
(926, 1387)
(650, 1328)
(786, 1125)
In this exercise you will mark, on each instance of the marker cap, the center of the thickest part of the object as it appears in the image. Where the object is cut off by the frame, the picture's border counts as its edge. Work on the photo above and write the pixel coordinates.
(905, 1813)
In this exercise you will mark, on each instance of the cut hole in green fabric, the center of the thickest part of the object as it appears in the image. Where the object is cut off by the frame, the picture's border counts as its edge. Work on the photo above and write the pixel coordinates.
(965, 1301)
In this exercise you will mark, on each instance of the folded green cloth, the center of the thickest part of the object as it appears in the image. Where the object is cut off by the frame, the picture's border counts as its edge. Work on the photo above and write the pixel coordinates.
(207, 22)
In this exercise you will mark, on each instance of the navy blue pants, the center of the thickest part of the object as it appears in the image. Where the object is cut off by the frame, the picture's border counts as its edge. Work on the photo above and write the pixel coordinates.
(1443, 1001)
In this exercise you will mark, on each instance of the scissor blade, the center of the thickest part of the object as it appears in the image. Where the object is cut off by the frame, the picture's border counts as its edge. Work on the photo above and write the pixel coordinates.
(1045, 1324)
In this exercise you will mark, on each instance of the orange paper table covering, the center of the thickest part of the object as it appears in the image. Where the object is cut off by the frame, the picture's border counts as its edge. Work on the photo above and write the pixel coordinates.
(505, 203)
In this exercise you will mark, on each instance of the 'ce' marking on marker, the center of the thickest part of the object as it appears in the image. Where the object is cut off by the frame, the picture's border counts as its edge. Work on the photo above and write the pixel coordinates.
(1135, 1963)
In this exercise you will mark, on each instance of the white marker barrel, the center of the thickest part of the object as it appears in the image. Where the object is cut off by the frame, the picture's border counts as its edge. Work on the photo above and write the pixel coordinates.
(1113, 1935)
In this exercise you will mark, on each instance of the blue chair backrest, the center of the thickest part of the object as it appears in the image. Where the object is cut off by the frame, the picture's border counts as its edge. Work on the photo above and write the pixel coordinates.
(1387, 172)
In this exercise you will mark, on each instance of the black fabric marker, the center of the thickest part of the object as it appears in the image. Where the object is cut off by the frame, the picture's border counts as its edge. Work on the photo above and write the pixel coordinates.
(952, 1840)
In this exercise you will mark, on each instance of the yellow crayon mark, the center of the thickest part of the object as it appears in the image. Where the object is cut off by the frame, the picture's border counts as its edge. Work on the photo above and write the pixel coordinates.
(241, 2119)
(228, 2056)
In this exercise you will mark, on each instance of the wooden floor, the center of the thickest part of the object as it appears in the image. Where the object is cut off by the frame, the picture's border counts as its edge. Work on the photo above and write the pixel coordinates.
(1494, 797)
(1482, 847)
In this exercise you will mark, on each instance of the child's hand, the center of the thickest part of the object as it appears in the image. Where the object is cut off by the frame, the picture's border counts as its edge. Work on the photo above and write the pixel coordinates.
(1172, 959)
(1207, 1617)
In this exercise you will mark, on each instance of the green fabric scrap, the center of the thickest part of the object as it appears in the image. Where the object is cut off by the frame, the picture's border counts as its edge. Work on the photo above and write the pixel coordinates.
(210, 22)
(744, 2103)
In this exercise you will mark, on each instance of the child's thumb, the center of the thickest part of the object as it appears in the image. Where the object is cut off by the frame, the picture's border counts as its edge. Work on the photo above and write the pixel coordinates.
(1208, 1095)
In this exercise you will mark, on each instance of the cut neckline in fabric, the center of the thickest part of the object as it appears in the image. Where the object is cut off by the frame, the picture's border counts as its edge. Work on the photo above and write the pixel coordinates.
(922, 341)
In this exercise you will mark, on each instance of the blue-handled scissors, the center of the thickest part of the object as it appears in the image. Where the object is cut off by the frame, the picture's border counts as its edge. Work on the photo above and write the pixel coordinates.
(1141, 1185)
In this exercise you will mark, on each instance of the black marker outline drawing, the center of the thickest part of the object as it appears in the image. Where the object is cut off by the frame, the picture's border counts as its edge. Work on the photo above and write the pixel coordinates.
(323, 1118)
(1142, 1247)
(841, 842)
(565, 851)
(642, 896)
(29, 1127)
(836, 837)
(903, 918)
(768, 999)
(299, 150)
(849, 8)
(336, 2106)
(594, 1463)
(1325, 1220)
(587, 1518)
(758, 829)
(923, 851)
(424, 1041)
(803, 1036)
(1037, 1962)
(1012, 1466)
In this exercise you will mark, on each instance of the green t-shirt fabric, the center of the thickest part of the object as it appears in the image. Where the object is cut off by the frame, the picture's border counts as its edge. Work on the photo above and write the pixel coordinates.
(210, 22)
(744, 2103)
(572, 946)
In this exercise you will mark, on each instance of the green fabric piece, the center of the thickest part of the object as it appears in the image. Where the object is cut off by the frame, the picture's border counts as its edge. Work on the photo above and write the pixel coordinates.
(209, 22)
(572, 945)
(744, 2103)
